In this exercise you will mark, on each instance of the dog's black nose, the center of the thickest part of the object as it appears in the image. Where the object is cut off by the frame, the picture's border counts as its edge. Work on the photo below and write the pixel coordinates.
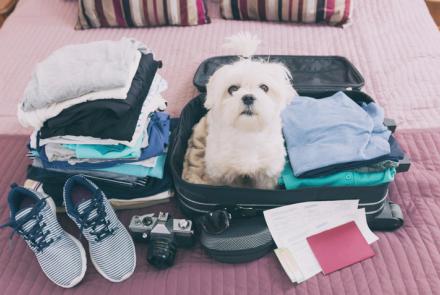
(248, 100)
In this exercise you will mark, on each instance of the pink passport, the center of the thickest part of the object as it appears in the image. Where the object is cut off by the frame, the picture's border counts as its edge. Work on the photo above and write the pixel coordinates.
(339, 247)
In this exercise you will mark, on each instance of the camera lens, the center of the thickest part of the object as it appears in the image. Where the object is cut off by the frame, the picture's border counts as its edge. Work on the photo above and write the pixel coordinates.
(147, 221)
(161, 252)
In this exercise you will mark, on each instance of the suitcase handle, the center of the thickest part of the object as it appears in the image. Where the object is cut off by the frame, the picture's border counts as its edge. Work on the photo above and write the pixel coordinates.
(390, 124)
(390, 219)
(404, 164)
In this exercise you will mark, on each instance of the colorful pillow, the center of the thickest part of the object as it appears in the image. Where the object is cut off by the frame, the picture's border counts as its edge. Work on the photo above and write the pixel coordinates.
(335, 12)
(141, 13)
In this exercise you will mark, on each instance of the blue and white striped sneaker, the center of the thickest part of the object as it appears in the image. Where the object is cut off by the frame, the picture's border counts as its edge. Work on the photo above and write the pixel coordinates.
(111, 247)
(61, 257)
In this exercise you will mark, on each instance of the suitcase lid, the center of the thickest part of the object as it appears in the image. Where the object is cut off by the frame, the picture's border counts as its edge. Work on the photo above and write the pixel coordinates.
(309, 72)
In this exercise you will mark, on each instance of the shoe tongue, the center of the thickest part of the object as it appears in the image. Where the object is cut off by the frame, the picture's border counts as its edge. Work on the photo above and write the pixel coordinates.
(82, 206)
(22, 214)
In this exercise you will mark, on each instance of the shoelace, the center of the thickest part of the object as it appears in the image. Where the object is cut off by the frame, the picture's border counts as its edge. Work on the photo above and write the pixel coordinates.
(98, 225)
(36, 235)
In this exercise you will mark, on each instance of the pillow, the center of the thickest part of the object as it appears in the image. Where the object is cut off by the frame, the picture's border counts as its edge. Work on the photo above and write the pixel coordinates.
(140, 13)
(335, 12)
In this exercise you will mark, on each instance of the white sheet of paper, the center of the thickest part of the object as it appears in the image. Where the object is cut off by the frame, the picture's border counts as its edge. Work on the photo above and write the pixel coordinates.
(287, 262)
(291, 225)
(290, 221)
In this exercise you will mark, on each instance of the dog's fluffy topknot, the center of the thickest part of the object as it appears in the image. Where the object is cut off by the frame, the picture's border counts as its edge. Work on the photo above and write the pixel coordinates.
(244, 44)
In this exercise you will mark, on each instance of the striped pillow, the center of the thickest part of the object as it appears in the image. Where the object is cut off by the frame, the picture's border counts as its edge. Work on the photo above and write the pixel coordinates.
(335, 12)
(140, 13)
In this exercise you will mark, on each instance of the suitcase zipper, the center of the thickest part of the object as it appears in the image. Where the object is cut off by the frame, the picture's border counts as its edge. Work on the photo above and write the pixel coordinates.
(253, 209)
(375, 211)
(374, 203)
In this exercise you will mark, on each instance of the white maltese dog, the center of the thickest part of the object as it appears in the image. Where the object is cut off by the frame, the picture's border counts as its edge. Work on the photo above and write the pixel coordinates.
(240, 138)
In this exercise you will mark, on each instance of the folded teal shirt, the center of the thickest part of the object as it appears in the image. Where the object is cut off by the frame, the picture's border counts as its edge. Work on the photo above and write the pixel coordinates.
(138, 170)
(345, 178)
(99, 151)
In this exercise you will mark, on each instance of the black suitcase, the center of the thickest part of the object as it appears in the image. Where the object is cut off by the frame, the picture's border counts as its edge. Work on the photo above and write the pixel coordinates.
(314, 76)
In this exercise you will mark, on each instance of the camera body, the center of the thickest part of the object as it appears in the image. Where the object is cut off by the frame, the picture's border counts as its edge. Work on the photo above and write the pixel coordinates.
(163, 234)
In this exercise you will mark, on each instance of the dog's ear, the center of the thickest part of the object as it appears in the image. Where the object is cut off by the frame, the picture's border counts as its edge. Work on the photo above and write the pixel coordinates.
(283, 74)
(213, 91)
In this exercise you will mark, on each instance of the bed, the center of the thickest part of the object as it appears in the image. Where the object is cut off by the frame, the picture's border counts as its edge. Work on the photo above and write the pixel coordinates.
(395, 45)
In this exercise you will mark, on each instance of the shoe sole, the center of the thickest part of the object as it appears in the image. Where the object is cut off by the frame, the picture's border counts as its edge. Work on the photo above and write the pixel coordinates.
(110, 279)
(81, 249)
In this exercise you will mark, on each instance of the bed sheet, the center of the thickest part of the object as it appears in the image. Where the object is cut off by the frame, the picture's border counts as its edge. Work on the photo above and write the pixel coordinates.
(407, 261)
(394, 43)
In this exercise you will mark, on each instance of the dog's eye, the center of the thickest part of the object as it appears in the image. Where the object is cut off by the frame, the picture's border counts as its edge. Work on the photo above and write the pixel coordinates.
(264, 87)
(232, 89)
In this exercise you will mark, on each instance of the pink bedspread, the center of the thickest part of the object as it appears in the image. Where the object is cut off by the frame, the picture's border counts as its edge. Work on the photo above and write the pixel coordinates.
(394, 44)
(407, 261)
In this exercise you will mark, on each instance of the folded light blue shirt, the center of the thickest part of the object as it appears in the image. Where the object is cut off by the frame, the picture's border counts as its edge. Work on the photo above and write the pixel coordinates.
(138, 170)
(332, 130)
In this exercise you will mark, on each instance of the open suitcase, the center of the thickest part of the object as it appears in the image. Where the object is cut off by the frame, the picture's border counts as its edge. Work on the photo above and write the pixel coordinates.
(314, 76)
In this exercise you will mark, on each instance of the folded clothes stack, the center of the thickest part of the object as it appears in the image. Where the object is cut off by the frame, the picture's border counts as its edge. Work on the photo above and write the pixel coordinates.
(97, 110)
(342, 144)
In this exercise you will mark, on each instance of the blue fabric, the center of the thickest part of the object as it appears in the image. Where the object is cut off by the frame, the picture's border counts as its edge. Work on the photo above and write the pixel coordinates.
(158, 138)
(395, 155)
(138, 170)
(131, 169)
(332, 130)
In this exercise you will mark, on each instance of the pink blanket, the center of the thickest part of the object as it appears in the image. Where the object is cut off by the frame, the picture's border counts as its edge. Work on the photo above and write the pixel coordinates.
(394, 44)
(396, 47)
(407, 261)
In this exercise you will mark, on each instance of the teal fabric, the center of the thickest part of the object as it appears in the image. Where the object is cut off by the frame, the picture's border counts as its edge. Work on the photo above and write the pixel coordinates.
(138, 170)
(345, 178)
(99, 151)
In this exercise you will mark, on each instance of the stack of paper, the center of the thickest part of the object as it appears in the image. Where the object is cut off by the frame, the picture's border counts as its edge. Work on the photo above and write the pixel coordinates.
(292, 225)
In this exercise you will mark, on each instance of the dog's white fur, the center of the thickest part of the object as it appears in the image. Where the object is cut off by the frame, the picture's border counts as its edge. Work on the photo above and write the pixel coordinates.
(243, 44)
(245, 145)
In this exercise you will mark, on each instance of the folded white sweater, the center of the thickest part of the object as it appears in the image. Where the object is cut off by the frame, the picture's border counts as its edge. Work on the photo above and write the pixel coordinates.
(76, 70)
(36, 118)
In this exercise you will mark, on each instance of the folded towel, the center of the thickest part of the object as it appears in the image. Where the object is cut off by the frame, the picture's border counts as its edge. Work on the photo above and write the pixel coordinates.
(75, 70)
(328, 131)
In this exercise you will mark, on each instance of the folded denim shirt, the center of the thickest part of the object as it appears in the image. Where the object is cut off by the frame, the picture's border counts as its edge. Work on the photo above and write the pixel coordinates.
(396, 154)
(332, 130)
